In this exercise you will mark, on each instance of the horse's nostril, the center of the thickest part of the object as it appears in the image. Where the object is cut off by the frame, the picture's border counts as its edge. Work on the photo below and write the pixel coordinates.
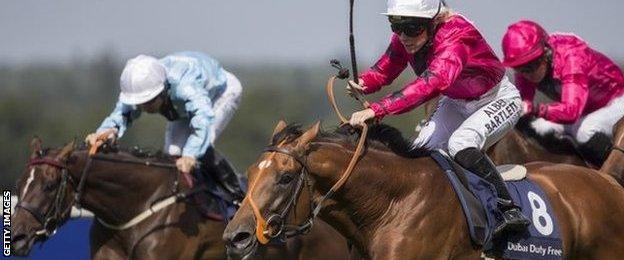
(17, 238)
(241, 240)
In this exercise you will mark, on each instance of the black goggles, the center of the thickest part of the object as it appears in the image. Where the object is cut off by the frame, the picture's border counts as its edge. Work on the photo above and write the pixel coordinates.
(410, 26)
(409, 29)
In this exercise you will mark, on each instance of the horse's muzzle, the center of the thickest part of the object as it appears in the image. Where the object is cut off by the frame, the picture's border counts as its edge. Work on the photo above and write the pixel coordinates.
(241, 244)
(21, 244)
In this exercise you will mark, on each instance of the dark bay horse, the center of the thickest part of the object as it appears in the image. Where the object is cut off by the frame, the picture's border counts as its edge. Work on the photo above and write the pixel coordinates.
(399, 205)
(117, 189)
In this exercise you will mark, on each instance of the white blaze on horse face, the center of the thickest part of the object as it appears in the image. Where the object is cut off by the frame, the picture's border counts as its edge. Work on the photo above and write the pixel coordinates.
(31, 177)
(264, 164)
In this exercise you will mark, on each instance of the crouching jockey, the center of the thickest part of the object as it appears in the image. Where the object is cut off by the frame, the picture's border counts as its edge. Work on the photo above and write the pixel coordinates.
(587, 87)
(451, 58)
(196, 96)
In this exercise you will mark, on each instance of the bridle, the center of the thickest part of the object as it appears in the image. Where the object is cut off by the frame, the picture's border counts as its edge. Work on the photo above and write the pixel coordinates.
(276, 227)
(56, 214)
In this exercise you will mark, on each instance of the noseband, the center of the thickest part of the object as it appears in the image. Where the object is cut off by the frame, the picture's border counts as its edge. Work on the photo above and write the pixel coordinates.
(50, 220)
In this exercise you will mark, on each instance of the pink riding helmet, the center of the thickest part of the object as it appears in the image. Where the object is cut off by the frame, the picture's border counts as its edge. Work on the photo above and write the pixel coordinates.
(523, 42)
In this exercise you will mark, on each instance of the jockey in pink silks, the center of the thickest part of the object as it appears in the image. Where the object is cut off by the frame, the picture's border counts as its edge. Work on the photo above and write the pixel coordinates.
(586, 86)
(450, 57)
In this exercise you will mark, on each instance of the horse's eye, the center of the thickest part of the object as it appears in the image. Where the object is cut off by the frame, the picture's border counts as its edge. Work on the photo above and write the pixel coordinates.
(51, 186)
(286, 178)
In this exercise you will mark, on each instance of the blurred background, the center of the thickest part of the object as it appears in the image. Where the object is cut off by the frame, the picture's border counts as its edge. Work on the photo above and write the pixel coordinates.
(60, 61)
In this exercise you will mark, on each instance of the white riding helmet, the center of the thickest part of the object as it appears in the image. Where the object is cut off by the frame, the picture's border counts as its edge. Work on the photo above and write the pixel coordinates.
(142, 79)
(414, 8)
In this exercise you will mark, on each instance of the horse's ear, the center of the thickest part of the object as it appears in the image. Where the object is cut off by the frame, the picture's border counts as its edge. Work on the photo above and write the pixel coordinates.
(279, 127)
(35, 146)
(309, 135)
(66, 151)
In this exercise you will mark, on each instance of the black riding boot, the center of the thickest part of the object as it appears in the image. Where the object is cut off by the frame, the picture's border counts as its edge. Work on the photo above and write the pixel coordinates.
(476, 161)
(224, 173)
(596, 150)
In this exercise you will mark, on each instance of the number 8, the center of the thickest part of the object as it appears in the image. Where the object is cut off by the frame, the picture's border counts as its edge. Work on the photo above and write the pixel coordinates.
(538, 208)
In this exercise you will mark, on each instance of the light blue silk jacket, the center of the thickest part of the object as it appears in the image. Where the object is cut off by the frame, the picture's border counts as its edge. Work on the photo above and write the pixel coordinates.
(194, 82)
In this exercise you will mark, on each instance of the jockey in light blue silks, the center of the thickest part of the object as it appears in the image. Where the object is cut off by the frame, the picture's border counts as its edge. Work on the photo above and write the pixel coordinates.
(193, 92)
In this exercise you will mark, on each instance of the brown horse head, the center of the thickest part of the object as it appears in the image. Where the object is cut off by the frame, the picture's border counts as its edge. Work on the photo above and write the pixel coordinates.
(618, 133)
(44, 192)
(276, 180)
(48, 187)
(614, 164)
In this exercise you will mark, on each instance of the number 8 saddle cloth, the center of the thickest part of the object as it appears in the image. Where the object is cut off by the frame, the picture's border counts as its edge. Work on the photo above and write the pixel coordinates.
(541, 240)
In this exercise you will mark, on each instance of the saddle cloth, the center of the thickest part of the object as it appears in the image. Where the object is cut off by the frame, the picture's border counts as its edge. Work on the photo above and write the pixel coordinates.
(214, 201)
(477, 197)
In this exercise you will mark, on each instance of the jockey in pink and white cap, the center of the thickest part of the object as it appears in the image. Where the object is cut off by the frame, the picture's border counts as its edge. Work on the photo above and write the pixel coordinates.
(587, 87)
(451, 58)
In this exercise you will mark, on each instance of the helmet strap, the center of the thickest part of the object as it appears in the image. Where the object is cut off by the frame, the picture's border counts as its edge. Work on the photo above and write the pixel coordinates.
(167, 109)
(548, 54)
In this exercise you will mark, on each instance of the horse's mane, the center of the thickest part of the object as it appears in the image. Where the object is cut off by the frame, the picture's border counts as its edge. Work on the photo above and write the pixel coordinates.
(380, 137)
(134, 152)
(551, 142)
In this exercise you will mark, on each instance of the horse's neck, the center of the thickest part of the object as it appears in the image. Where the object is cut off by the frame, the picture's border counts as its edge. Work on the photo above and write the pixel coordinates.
(116, 192)
(379, 184)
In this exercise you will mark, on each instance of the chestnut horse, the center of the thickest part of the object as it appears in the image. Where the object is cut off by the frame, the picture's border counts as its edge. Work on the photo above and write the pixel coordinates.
(398, 204)
(120, 186)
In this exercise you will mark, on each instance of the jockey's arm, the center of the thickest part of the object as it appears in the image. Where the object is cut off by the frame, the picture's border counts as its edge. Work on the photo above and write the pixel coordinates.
(199, 108)
(121, 118)
(574, 94)
(388, 67)
(446, 66)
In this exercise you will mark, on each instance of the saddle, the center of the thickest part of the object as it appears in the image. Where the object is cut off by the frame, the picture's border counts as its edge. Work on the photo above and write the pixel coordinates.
(216, 201)
(478, 199)
(213, 201)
